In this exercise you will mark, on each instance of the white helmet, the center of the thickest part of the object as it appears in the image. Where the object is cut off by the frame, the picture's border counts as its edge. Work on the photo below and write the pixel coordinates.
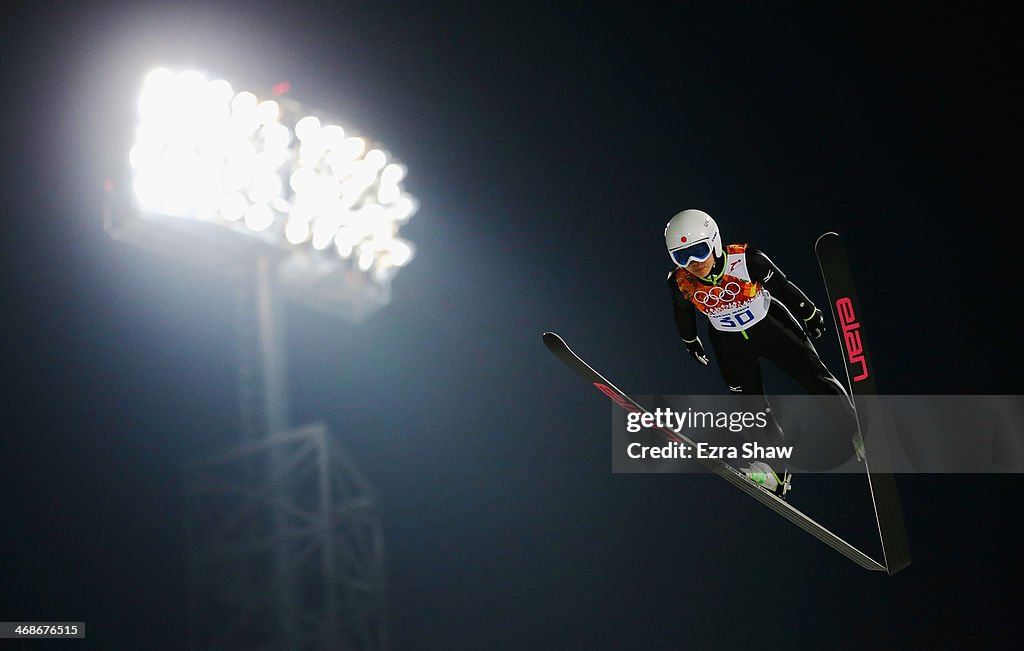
(692, 236)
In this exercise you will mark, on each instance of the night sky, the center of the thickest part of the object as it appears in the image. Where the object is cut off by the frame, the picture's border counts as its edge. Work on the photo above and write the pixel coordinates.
(547, 148)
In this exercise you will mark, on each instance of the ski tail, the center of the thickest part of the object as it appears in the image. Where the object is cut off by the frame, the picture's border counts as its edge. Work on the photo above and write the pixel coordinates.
(860, 373)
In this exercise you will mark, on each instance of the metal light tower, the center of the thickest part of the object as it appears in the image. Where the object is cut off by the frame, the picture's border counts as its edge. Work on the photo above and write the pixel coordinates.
(285, 546)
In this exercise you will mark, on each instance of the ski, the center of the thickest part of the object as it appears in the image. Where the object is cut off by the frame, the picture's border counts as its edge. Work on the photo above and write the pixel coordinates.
(847, 316)
(558, 346)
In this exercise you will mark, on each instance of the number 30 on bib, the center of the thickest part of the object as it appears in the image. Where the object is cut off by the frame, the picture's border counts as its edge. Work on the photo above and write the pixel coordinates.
(735, 320)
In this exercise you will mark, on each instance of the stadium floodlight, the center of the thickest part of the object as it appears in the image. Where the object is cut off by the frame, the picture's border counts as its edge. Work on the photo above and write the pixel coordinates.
(331, 201)
(289, 205)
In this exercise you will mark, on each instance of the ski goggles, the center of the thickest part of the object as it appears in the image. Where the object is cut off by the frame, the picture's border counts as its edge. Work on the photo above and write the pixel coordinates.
(698, 252)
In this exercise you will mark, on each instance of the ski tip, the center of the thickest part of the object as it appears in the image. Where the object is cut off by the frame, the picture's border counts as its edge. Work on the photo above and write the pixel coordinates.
(826, 239)
(554, 342)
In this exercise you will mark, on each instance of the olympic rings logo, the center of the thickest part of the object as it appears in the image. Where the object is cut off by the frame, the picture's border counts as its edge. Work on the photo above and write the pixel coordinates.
(716, 295)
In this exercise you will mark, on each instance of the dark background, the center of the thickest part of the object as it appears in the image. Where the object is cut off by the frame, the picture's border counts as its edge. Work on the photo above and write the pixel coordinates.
(547, 148)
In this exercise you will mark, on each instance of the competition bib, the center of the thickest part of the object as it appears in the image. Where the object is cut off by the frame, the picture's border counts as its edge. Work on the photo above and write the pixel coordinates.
(732, 304)
(732, 307)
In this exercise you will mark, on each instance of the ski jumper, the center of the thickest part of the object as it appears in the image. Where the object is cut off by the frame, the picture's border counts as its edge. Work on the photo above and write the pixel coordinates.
(753, 310)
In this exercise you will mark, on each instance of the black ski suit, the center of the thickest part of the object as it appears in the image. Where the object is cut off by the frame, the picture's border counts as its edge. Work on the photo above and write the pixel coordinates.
(779, 337)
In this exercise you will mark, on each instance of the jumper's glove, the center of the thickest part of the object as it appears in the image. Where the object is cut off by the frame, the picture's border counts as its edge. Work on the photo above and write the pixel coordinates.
(814, 325)
(696, 350)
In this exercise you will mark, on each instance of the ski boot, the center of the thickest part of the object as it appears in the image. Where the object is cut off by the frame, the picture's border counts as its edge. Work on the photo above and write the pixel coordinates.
(762, 474)
(858, 446)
